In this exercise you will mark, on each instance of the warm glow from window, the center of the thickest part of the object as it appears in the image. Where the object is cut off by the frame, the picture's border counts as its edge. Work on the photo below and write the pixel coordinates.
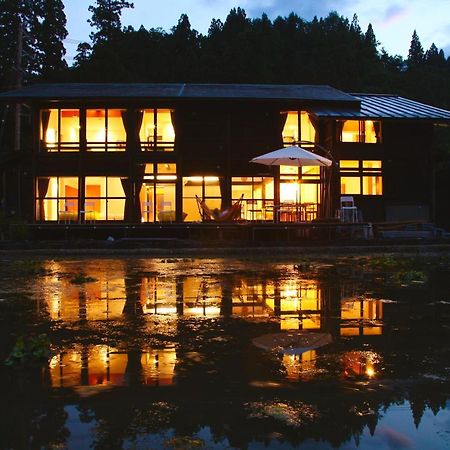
(60, 129)
(366, 177)
(348, 164)
(350, 131)
(364, 131)
(289, 192)
(157, 131)
(308, 132)
(371, 164)
(290, 130)
(372, 185)
(350, 185)
(105, 130)
(370, 136)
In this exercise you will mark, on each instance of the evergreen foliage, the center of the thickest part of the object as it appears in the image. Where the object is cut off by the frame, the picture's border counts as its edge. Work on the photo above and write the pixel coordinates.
(41, 26)
(331, 50)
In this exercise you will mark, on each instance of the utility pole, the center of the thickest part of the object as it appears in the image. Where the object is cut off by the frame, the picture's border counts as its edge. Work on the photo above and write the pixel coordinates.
(18, 84)
(18, 111)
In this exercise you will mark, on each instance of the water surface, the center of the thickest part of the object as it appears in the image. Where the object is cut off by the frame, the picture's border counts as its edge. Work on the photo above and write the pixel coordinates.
(158, 353)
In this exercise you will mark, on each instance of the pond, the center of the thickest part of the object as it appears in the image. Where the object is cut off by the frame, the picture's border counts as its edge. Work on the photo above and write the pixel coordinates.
(150, 353)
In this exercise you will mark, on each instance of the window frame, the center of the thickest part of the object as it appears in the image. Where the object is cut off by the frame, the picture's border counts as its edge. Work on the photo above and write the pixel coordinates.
(361, 173)
(153, 144)
(58, 146)
(361, 131)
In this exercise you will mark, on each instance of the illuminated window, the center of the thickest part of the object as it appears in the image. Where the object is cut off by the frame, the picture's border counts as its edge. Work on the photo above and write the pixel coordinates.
(105, 130)
(298, 127)
(364, 131)
(258, 197)
(299, 193)
(361, 177)
(60, 130)
(57, 199)
(206, 188)
(104, 198)
(157, 131)
(158, 193)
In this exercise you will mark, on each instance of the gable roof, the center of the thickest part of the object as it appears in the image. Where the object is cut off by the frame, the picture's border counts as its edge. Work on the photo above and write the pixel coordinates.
(386, 106)
(107, 91)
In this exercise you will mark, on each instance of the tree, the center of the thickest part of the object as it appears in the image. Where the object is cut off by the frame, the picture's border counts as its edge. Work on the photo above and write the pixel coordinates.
(50, 35)
(415, 54)
(18, 20)
(434, 57)
(106, 19)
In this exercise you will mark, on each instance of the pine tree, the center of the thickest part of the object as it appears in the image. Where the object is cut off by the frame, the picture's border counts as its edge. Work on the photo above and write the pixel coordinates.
(106, 18)
(50, 35)
(415, 54)
(18, 21)
(434, 57)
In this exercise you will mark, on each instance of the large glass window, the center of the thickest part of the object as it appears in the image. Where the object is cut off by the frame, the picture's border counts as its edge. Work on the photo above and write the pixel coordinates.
(299, 193)
(104, 199)
(258, 197)
(361, 177)
(158, 193)
(205, 188)
(57, 199)
(365, 131)
(298, 127)
(60, 130)
(105, 130)
(157, 131)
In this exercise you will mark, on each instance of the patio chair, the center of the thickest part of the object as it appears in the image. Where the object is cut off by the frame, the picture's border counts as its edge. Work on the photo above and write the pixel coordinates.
(227, 215)
(348, 212)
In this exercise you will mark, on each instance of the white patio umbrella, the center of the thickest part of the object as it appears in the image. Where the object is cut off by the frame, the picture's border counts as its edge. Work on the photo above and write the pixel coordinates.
(292, 156)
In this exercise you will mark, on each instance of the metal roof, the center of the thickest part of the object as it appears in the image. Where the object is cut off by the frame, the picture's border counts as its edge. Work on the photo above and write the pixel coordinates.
(107, 91)
(385, 106)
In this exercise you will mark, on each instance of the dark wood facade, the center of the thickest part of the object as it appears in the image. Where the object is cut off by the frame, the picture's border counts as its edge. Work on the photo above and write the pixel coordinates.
(218, 137)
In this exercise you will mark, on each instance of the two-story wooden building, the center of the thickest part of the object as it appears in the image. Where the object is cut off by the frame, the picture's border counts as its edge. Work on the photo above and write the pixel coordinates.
(137, 153)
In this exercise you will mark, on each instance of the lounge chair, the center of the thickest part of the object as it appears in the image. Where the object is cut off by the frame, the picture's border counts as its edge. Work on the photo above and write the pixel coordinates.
(228, 214)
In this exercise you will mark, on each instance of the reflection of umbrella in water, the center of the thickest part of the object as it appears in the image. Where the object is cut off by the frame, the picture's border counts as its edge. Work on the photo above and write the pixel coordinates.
(292, 156)
(292, 342)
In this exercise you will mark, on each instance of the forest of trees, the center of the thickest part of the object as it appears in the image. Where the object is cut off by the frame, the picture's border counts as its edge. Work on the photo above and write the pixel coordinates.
(331, 50)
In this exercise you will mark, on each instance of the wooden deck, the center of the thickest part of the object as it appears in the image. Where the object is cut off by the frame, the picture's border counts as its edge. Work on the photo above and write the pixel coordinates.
(207, 231)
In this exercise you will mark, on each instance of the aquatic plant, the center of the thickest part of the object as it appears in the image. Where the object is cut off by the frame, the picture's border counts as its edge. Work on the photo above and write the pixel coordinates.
(31, 350)
(184, 443)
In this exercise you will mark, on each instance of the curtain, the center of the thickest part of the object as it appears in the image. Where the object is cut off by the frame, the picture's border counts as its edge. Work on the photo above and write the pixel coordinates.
(132, 122)
(127, 125)
(140, 172)
(138, 117)
(45, 118)
(42, 188)
(281, 121)
(126, 186)
(339, 127)
(377, 128)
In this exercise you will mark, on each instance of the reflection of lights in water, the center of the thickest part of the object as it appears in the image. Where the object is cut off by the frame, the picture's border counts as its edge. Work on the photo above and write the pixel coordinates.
(360, 363)
(54, 361)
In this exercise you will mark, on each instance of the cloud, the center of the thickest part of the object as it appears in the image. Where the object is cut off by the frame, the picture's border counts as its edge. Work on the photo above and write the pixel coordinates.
(306, 9)
(393, 14)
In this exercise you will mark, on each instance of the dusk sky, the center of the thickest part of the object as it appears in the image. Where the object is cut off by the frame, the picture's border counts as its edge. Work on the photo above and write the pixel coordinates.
(393, 21)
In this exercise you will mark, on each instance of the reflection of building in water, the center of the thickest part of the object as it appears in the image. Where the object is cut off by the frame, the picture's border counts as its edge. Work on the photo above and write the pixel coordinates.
(361, 316)
(123, 292)
(300, 367)
(103, 365)
(101, 299)
(298, 303)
